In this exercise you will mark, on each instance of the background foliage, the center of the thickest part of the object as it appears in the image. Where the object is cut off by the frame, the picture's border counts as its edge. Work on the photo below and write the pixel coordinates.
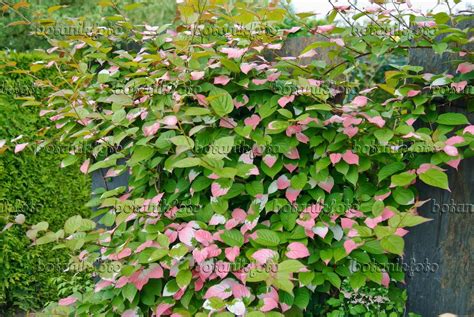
(239, 199)
(19, 36)
(33, 184)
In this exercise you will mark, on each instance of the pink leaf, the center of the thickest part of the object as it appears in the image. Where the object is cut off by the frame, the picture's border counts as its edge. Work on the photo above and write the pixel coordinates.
(349, 246)
(67, 301)
(130, 313)
(373, 222)
(151, 129)
(360, 101)
(339, 42)
(291, 194)
(283, 182)
(122, 254)
(385, 279)
(297, 250)
(155, 271)
(351, 131)
(283, 101)
(302, 137)
(350, 158)
(327, 185)
(259, 82)
(347, 223)
(221, 291)
(197, 75)
(378, 121)
(335, 158)
(459, 86)
(383, 196)
(204, 237)
(426, 24)
(321, 231)
(228, 123)
(465, 68)
(232, 253)
(263, 255)
(85, 166)
(270, 160)
(455, 140)
(217, 190)
(20, 147)
(252, 121)
(269, 304)
(186, 235)
(293, 29)
(308, 54)
(290, 167)
(325, 28)
(169, 121)
(245, 68)
(454, 163)
(293, 154)
(233, 52)
(469, 129)
(451, 150)
(199, 255)
(163, 309)
(221, 80)
(413, 93)
(101, 285)
(401, 232)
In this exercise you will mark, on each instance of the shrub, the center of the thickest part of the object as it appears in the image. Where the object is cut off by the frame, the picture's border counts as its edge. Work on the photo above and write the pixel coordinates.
(33, 185)
(18, 36)
(253, 223)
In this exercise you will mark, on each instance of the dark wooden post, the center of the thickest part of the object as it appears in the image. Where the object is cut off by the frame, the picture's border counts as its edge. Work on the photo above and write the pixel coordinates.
(446, 242)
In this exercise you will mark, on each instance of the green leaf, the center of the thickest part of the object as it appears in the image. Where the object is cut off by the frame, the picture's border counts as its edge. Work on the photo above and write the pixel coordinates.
(233, 238)
(409, 220)
(220, 101)
(141, 154)
(452, 119)
(357, 280)
(103, 76)
(384, 135)
(267, 238)
(299, 181)
(129, 291)
(389, 170)
(183, 141)
(334, 279)
(302, 298)
(40, 226)
(283, 282)
(290, 266)
(72, 224)
(183, 278)
(322, 107)
(196, 111)
(47, 238)
(230, 65)
(436, 178)
(393, 244)
(221, 147)
(403, 179)
(187, 162)
(403, 196)
(69, 160)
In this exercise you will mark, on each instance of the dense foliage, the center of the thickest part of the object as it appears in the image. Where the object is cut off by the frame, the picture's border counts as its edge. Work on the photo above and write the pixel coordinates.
(251, 184)
(33, 185)
(39, 15)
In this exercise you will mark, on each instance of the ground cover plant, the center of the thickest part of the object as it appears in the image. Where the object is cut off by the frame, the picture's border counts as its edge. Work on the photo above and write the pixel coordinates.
(247, 198)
